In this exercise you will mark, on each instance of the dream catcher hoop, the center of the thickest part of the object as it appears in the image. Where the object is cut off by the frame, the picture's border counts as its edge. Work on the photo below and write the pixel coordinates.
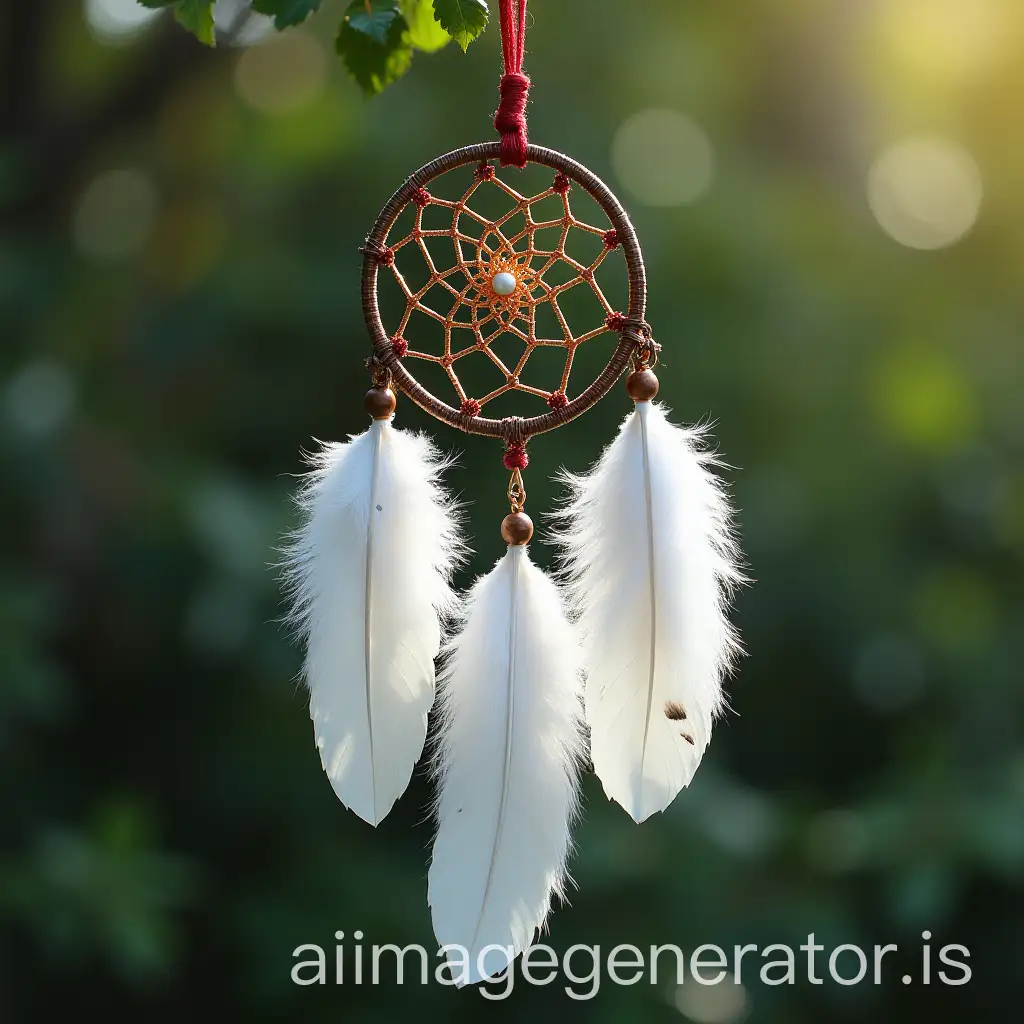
(500, 282)
(622, 660)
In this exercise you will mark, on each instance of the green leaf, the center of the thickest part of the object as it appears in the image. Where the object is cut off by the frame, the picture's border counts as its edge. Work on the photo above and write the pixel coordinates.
(374, 19)
(424, 31)
(197, 17)
(287, 12)
(372, 59)
(463, 20)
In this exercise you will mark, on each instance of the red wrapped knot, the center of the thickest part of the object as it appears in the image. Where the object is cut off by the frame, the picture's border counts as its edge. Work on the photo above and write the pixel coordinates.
(510, 118)
(516, 457)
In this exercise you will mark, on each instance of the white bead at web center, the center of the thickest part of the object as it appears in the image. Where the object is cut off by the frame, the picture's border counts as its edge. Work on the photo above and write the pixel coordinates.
(504, 283)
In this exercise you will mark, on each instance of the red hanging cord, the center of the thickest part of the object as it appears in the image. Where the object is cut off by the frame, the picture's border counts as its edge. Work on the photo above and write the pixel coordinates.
(510, 119)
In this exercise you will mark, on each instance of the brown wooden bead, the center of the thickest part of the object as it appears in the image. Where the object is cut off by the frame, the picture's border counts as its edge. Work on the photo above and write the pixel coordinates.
(517, 529)
(380, 403)
(642, 385)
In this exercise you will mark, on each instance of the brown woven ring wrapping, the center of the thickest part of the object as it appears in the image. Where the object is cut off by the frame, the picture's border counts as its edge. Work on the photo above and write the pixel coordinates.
(629, 337)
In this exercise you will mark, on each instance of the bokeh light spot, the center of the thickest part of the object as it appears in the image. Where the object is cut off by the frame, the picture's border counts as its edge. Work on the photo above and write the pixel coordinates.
(889, 672)
(39, 398)
(925, 193)
(282, 75)
(741, 821)
(835, 841)
(218, 619)
(239, 25)
(234, 525)
(118, 22)
(115, 214)
(663, 157)
(724, 1003)
(924, 398)
(955, 609)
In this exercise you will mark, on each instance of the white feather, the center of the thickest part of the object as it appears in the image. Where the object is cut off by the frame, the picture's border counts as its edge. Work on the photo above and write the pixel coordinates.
(508, 763)
(651, 565)
(368, 575)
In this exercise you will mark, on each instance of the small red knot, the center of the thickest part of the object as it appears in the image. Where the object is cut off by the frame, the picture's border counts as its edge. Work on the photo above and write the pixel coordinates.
(399, 346)
(484, 172)
(587, 274)
(615, 322)
(446, 361)
(611, 239)
(421, 197)
(516, 457)
(510, 118)
(557, 400)
(470, 407)
(386, 257)
(561, 184)
(480, 343)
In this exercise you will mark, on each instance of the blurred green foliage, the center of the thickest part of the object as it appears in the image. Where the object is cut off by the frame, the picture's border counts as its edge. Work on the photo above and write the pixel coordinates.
(179, 281)
(376, 39)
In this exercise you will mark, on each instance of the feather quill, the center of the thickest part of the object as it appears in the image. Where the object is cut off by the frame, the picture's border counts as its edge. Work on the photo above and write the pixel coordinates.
(508, 765)
(650, 565)
(368, 576)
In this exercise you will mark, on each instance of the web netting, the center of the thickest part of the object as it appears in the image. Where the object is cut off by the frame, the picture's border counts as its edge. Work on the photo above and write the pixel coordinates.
(495, 266)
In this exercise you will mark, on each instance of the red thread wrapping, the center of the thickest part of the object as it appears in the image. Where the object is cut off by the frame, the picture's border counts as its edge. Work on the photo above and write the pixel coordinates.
(615, 322)
(611, 239)
(399, 346)
(470, 407)
(557, 400)
(516, 457)
(514, 88)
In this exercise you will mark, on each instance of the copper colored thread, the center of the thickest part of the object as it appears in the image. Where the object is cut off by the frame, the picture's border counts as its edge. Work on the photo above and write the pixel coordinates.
(631, 335)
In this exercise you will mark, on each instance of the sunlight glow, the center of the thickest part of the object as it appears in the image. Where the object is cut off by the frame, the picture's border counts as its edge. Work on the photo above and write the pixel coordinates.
(944, 39)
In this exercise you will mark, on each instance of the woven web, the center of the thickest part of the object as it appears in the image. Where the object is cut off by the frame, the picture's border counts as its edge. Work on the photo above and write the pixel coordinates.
(477, 314)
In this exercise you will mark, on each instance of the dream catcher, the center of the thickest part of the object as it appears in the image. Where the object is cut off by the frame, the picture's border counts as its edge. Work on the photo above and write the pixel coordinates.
(629, 651)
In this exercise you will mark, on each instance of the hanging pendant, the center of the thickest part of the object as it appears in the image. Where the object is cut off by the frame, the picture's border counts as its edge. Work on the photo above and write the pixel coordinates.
(473, 277)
